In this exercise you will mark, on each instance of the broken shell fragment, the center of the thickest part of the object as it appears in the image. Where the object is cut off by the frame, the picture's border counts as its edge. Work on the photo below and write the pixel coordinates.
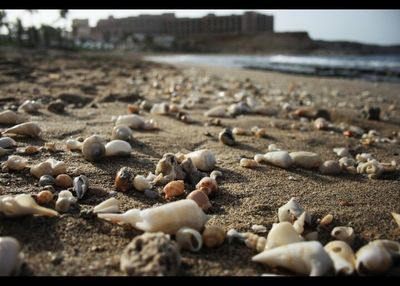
(29, 129)
(201, 199)
(140, 183)
(281, 234)
(213, 236)
(174, 189)
(189, 238)
(226, 137)
(306, 160)
(80, 186)
(248, 163)
(203, 159)
(118, 148)
(15, 163)
(292, 210)
(64, 201)
(11, 257)
(330, 167)
(343, 233)
(321, 124)
(108, 206)
(93, 148)
(122, 132)
(307, 258)
(123, 179)
(218, 111)
(342, 256)
(168, 218)
(23, 204)
(208, 185)
(280, 159)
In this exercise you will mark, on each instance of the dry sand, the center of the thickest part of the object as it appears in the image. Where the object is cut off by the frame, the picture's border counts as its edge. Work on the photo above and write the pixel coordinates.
(75, 245)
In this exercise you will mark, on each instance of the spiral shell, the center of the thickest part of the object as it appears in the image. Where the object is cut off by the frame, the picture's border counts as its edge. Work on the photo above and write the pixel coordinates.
(213, 236)
(208, 185)
(121, 132)
(93, 148)
(201, 199)
(189, 238)
(174, 189)
(254, 241)
(123, 179)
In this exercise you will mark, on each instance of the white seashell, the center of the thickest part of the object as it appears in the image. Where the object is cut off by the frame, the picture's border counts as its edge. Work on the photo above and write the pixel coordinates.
(218, 111)
(141, 184)
(343, 233)
(7, 142)
(248, 163)
(41, 169)
(189, 238)
(118, 148)
(307, 258)
(260, 158)
(346, 162)
(363, 157)
(371, 167)
(16, 163)
(239, 131)
(59, 167)
(10, 117)
(342, 256)
(298, 225)
(108, 206)
(281, 234)
(215, 174)
(322, 124)
(306, 159)
(168, 218)
(342, 152)
(396, 217)
(29, 106)
(330, 167)
(30, 129)
(131, 120)
(73, 145)
(11, 257)
(280, 159)
(160, 108)
(203, 159)
(64, 201)
(122, 132)
(273, 147)
(292, 209)
(23, 204)
(377, 256)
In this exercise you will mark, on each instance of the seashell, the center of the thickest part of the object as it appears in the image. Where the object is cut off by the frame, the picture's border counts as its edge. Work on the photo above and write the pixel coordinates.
(44, 168)
(131, 120)
(59, 167)
(122, 132)
(64, 201)
(93, 148)
(150, 125)
(372, 168)
(10, 117)
(15, 163)
(343, 233)
(11, 257)
(133, 108)
(292, 210)
(168, 218)
(150, 177)
(193, 176)
(174, 189)
(330, 167)
(363, 157)
(46, 180)
(218, 111)
(273, 147)
(239, 131)
(281, 234)
(346, 162)
(322, 124)
(226, 137)
(29, 129)
(203, 159)
(29, 150)
(118, 148)
(108, 206)
(307, 160)
(73, 145)
(342, 256)
(213, 236)
(377, 256)
(140, 183)
(215, 174)
(189, 238)
(259, 132)
(248, 163)
(311, 236)
(44, 197)
(30, 106)
(298, 225)
(57, 106)
(169, 169)
(258, 228)
(201, 199)
(326, 220)
(123, 179)
(208, 186)
(396, 217)
(342, 152)
(7, 142)
(280, 159)
(260, 158)
(160, 108)
(64, 181)
(80, 186)
(233, 235)
(306, 257)
(254, 241)
(23, 204)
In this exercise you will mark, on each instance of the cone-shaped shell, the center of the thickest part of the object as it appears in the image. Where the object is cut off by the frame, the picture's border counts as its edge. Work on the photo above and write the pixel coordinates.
(29, 129)
(278, 158)
(396, 217)
(108, 206)
(308, 258)
(292, 209)
(23, 204)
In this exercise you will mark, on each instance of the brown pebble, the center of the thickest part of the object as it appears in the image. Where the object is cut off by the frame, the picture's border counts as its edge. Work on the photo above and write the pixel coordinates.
(133, 108)
(64, 181)
(44, 197)
(213, 236)
(200, 198)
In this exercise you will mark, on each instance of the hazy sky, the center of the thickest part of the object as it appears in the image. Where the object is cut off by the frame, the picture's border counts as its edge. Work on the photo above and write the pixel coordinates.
(367, 26)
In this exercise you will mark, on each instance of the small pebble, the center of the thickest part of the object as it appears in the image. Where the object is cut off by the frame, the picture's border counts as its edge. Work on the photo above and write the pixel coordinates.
(63, 181)
(46, 180)
(150, 194)
(44, 197)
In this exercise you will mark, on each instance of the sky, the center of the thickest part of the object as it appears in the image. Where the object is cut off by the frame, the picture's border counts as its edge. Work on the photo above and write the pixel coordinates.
(380, 27)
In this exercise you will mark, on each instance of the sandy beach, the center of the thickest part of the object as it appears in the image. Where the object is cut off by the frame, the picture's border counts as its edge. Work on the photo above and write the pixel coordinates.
(96, 87)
